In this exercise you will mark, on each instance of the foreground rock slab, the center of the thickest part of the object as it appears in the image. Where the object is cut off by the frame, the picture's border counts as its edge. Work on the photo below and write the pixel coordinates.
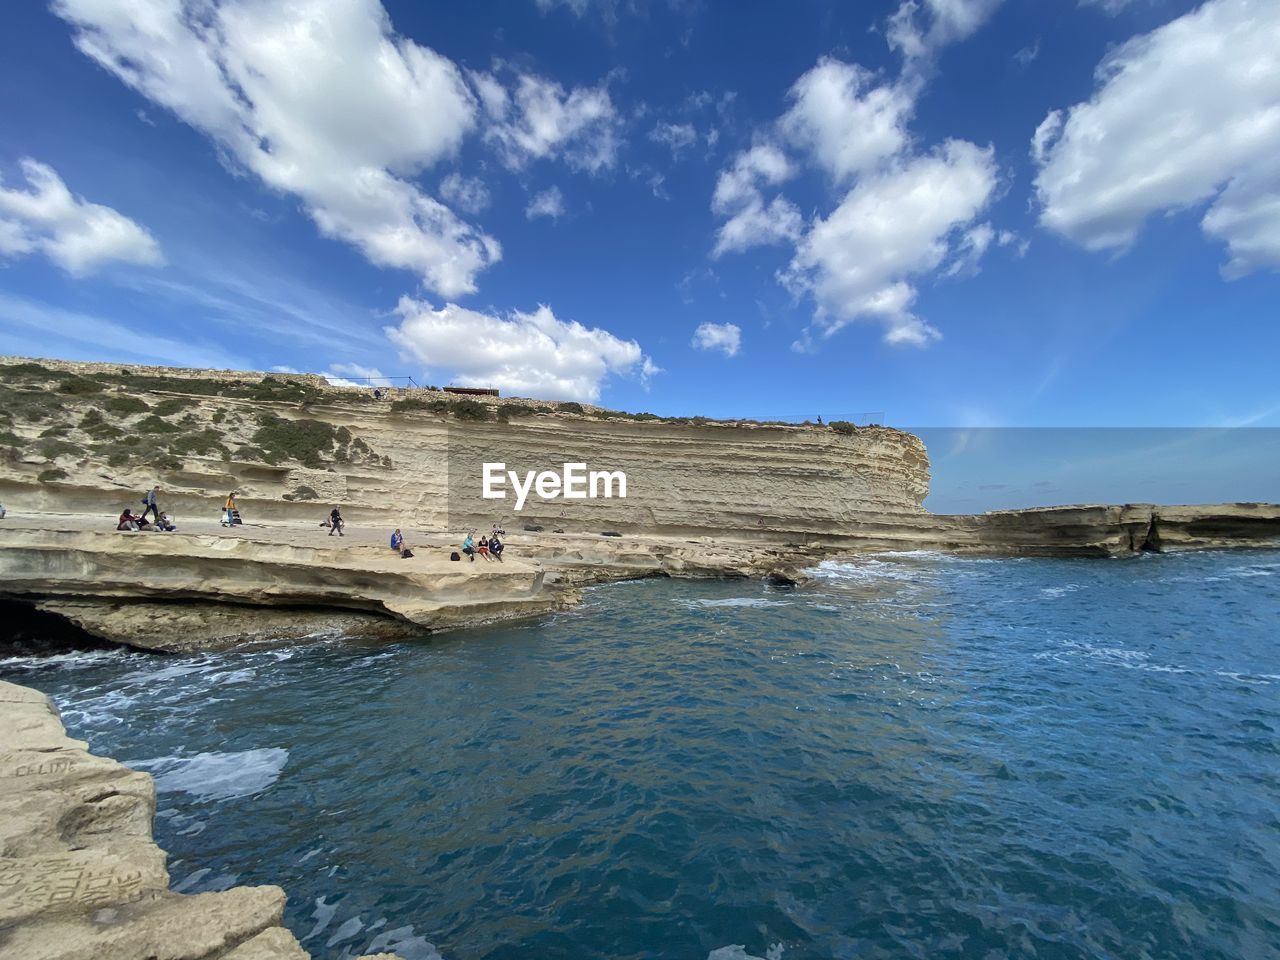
(81, 877)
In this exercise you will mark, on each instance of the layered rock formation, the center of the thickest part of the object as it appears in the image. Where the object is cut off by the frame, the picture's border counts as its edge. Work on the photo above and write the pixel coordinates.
(81, 877)
(79, 442)
(213, 589)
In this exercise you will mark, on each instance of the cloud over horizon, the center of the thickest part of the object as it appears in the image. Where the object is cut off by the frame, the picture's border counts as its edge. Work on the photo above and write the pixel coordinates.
(529, 354)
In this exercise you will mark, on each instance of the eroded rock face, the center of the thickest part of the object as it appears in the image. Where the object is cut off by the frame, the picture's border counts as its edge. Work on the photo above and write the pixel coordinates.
(81, 877)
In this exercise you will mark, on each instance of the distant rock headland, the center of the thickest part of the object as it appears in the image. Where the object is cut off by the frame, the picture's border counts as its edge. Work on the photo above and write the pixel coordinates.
(80, 442)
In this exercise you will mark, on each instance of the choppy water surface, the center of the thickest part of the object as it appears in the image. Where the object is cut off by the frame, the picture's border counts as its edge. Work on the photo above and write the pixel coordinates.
(917, 757)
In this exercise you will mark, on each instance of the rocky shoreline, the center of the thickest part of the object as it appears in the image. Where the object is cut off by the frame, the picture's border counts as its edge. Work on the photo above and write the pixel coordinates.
(81, 877)
(211, 589)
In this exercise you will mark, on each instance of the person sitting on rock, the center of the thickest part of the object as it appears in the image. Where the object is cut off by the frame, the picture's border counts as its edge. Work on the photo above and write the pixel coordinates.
(397, 541)
(127, 521)
(166, 523)
(482, 548)
(496, 547)
(336, 523)
(469, 547)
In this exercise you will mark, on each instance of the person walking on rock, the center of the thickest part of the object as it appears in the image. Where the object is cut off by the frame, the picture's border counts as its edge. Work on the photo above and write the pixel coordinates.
(149, 504)
(336, 523)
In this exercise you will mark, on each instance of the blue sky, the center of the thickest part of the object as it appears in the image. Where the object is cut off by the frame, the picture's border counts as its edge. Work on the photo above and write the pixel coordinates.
(962, 213)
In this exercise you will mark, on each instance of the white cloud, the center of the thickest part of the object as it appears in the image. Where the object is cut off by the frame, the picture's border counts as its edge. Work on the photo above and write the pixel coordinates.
(319, 99)
(1185, 114)
(678, 137)
(891, 226)
(750, 221)
(902, 213)
(468, 194)
(970, 249)
(77, 235)
(530, 354)
(541, 119)
(726, 337)
(919, 29)
(848, 123)
(1112, 7)
(548, 203)
(354, 375)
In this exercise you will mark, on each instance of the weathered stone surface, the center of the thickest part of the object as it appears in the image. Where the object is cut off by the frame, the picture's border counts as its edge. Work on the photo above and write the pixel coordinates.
(81, 877)
(274, 944)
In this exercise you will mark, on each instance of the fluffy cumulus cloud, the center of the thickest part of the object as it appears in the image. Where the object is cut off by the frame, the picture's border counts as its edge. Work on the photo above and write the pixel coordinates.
(750, 221)
(725, 337)
(530, 354)
(900, 213)
(318, 98)
(893, 225)
(850, 123)
(1184, 115)
(918, 28)
(549, 203)
(77, 235)
(539, 118)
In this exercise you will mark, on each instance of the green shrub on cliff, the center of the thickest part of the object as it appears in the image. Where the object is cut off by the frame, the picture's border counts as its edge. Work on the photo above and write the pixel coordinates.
(207, 441)
(28, 370)
(306, 441)
(92, 418)
(154, 424)
(508, 410)
(410, 404)
(171, 405)
(467, 409)
(256, 454)
(570, 406)
(302, 493)
(842, 427)
(51, 448)
(79, 386)
(10, 439)
(125, 405)
(53, 473)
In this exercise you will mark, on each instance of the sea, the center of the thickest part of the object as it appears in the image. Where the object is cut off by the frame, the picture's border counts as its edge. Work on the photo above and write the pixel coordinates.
(913, 756)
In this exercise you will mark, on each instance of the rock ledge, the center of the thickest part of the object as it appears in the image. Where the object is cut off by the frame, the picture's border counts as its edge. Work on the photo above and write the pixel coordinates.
(81, 877)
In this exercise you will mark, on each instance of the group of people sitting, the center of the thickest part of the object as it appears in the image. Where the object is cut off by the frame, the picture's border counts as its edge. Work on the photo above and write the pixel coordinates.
(490, 547)
(135, 522)
(150, 504)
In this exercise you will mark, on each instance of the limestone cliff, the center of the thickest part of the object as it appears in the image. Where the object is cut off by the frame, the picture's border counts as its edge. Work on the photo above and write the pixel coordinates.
(89, 438)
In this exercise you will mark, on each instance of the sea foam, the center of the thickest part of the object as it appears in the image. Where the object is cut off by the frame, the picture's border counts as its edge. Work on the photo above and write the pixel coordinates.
(217, 776)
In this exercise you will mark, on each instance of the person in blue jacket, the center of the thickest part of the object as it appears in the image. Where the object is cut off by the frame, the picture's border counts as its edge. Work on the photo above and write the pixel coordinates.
(397, 541)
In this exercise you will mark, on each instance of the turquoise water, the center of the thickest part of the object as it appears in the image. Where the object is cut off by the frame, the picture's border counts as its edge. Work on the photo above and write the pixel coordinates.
(915, 757)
